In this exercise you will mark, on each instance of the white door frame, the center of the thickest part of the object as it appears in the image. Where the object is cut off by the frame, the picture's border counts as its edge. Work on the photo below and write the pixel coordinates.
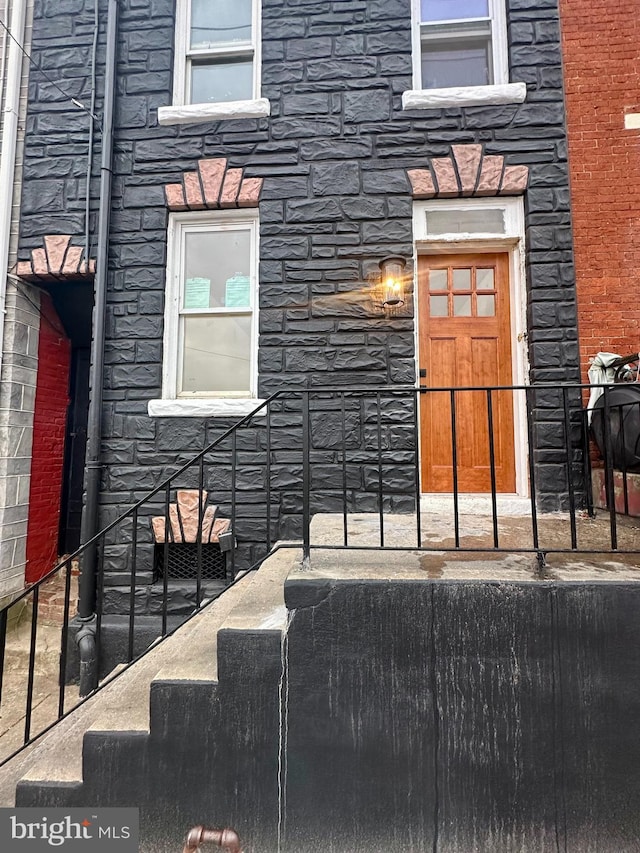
(511, 241)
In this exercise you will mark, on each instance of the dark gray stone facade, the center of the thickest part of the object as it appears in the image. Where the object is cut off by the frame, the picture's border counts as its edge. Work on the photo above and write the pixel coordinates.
(336, 199)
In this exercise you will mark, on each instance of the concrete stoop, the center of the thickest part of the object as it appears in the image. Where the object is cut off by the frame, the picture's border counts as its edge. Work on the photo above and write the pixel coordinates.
(155, 719)
(371, 702)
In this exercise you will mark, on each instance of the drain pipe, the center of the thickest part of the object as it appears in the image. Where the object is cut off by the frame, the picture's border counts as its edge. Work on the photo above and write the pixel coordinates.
(9, 143)
(86, 636)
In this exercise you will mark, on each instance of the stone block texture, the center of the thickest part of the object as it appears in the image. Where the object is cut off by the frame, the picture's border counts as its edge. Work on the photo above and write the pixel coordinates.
(19, 362)
(333, 158)
(601, 55)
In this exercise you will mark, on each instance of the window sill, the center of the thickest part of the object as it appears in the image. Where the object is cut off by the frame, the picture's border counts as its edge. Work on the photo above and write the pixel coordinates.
(209, 408)
(464, 96)
(198, 113)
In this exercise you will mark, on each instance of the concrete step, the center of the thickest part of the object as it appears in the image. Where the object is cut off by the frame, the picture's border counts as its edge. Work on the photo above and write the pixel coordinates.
(122, 705)
(201, 662)
(265, 610)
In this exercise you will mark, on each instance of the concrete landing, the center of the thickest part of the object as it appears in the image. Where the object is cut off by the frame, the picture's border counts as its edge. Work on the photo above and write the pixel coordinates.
(477, 560)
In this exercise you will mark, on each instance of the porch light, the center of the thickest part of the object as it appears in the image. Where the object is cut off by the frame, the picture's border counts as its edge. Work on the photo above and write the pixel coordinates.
(392, 281)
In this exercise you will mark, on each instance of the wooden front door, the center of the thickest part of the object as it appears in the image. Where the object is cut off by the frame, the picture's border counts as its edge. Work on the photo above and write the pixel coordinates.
(465, 340)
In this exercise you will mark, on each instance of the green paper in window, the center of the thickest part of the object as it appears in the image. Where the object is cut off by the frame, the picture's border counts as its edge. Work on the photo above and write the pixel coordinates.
(237, 291)
(196, 292)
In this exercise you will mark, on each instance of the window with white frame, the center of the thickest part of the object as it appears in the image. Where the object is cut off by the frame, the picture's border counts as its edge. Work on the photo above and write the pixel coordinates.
(210, 338)
(216, 51)
(461, 43)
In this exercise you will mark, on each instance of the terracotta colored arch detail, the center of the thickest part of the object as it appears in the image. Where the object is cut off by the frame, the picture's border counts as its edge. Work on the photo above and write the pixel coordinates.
(57, 259)
(468, 172)
(213, 186)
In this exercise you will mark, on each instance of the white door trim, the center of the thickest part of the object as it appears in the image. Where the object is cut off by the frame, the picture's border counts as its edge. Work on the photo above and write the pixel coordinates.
(511, 241)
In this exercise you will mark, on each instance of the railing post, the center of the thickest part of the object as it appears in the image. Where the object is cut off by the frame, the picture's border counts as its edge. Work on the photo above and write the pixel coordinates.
(569, 463)
(345, 529)
(3, 645)
(416, 439)
(454, 468)
(380, 481)
(306, 480)
(132, 584)
(199, 532)
(608, 470)
(529, 406)
(492, 469)
(32, 664)
(64, 636)
(234, 474)
(267, 474)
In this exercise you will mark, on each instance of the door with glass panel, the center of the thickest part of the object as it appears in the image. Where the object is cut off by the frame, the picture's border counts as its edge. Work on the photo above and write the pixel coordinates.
(465, 341)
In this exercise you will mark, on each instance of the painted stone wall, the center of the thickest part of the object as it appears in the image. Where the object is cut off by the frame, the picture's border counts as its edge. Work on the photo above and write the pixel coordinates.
(602, 81)
(335, 200)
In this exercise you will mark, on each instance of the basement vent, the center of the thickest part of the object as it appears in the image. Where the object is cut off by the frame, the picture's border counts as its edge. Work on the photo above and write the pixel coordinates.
(182, 561)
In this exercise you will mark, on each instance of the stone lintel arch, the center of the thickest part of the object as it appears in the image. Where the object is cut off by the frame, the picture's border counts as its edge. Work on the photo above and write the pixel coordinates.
(468, 172)
(57, 259)
(213, 186)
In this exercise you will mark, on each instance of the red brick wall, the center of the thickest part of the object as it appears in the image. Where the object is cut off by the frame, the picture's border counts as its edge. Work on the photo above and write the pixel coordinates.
(601, 48)
(49, 425)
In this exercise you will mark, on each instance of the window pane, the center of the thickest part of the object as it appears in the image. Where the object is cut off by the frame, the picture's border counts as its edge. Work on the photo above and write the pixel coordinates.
(438, 306)
(485, 280)
(216, 273)
(215, 22)
(437, 279)
(213, 82)
(462, 279)
(216, 354)
(486, 305)
(453, 10)
(462, 306)
(455, 63)
(465, 221)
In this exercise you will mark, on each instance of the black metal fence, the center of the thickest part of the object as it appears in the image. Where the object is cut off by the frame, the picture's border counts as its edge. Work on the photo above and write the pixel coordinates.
(342, 468)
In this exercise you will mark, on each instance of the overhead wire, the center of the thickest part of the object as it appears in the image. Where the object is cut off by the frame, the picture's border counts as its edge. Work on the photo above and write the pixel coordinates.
(32, 61)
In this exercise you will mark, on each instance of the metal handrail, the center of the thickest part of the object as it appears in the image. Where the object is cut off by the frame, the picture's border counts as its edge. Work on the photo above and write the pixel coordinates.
(371, 452)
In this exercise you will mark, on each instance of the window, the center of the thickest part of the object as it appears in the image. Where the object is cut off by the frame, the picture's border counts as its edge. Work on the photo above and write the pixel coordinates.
(210, 338)
(216, 51)
(449, 221)
(459, 43)
(465, 221)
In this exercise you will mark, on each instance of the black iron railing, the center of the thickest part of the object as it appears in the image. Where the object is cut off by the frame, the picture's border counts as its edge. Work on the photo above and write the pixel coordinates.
(343, 469)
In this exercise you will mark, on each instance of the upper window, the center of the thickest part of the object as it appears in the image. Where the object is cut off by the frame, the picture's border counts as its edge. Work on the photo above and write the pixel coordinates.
(210, 317)
(461, 43)
(216, 52)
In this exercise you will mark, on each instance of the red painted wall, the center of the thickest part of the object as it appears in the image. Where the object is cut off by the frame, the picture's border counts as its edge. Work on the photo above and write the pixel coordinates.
(52, 399)
(601, 56)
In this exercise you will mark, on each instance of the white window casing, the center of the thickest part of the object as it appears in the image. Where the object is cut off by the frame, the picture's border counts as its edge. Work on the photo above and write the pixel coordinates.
(183, 109)
(194, 401)
(497, 90)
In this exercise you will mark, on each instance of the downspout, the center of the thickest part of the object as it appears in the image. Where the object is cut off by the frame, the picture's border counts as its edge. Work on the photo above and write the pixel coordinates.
(8, 151)
(86, 636)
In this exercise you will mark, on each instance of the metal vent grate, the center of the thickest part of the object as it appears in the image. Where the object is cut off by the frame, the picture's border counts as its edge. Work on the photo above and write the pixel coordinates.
(183, 561)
